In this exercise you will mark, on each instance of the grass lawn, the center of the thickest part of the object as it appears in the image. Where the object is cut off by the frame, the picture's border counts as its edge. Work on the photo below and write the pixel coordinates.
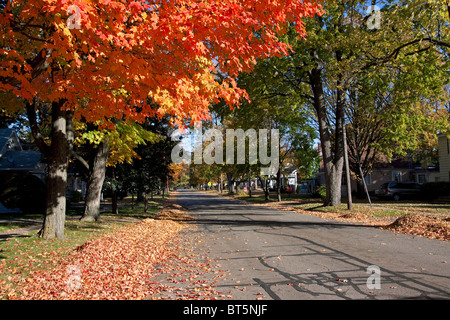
(431, 220)
(22, 255)
(377, 210)
(12, 225)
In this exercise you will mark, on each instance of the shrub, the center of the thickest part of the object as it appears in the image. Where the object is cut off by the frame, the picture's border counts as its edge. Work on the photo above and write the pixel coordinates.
(322, 192)
(26, 192)
(433, 190)
(76, 196)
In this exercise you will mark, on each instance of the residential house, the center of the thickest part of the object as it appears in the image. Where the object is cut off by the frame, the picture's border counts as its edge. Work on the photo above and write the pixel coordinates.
(444, 158)
(400, 169)
(14, 159)
(22, 174)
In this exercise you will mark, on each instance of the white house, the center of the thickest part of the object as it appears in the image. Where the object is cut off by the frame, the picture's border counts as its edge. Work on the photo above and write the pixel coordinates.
(444, 158)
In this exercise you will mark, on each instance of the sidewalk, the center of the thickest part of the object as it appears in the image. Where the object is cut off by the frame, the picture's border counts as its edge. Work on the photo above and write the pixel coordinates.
(35, 225)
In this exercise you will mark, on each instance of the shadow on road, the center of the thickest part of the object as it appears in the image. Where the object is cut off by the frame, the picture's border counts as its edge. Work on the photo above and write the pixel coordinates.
(306, 257)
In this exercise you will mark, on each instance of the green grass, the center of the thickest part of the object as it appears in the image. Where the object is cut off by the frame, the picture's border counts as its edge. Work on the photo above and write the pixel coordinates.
(12, 225)
(357, 207)
(378, 208)
(138, 210)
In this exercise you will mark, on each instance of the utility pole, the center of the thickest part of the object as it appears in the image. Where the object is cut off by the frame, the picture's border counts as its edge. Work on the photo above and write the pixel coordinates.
(347, 170)
(361, 172)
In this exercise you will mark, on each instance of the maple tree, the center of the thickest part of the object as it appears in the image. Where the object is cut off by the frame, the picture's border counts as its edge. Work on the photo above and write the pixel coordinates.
(179, 173)
(104, 59)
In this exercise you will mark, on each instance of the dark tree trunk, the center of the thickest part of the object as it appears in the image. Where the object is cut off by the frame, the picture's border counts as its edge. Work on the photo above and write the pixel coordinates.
(265, 187)
(97, 171)
(333, 158)
(279, 184)
(249, 184)
(57, 163)
(115, 207)
(230, 183)
(145, 201)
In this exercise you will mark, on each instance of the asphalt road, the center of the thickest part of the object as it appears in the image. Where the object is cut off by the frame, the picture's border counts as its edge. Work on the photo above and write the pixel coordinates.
(272, 254)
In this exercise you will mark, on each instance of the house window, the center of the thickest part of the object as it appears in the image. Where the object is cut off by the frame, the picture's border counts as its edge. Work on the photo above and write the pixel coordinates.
(421, 178)
(397, 176)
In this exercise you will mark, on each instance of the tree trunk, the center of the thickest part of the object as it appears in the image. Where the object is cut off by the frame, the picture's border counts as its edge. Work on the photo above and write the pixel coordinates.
(332, 157)
(57, 163)
(145, 201)
(279, 184)
(230, 183)
(97, 171)
(360, 193)
(249, 184)
(265, 187)
(115, 207)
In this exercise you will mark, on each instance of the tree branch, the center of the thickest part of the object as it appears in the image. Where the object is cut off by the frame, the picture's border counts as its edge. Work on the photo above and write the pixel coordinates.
(394, 54)
(81, 159)
(38, 138)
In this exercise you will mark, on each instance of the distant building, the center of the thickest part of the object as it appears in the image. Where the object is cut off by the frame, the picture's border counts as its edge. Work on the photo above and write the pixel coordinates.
(399, 169)
(444, 158)
(22, 176)
(14, 159)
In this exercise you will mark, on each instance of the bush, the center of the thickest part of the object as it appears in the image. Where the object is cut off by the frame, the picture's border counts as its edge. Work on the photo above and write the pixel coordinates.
(433, 190)
(26, 192)
(322, 192)
(76, 196)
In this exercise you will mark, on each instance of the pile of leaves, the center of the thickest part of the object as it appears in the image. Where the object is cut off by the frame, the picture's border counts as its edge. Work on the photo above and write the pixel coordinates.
(174, 212)
(422, 225)
(150, 259)
(116, 265)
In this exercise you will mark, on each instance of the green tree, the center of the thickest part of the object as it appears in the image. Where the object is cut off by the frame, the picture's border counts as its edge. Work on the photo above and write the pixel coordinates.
(345, 60)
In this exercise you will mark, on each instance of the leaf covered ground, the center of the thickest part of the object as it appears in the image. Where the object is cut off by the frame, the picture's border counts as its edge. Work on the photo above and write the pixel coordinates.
(144, 260)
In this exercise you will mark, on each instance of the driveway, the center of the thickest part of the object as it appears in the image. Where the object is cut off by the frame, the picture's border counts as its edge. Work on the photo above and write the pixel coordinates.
(271, 254)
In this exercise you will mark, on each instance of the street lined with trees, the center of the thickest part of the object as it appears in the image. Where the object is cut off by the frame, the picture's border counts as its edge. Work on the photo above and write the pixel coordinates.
(99, 88)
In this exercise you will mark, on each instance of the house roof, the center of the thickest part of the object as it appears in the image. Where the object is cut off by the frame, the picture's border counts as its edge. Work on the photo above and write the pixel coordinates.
(5, 134)
(20, 160)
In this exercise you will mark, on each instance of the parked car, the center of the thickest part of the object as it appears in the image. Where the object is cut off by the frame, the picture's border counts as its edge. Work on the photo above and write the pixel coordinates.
(398, 190)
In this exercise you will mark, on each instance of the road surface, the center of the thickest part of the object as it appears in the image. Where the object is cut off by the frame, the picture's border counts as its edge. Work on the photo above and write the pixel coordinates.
(272, 254)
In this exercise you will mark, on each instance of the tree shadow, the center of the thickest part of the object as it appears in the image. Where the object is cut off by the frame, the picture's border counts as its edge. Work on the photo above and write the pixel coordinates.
(336, 273)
